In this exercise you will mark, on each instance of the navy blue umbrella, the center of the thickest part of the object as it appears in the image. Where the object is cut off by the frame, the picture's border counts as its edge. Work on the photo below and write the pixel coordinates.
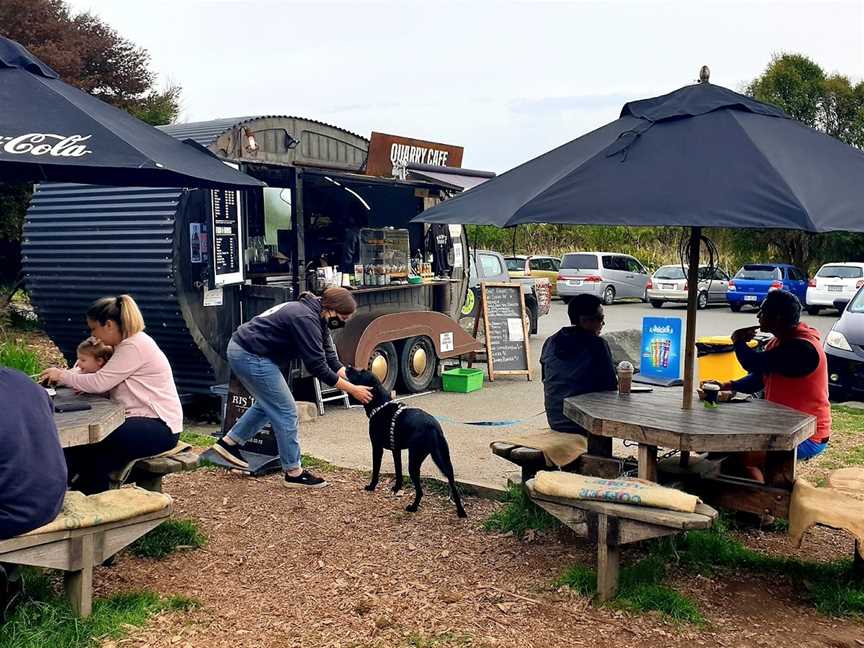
(701, 156)
(50, 131)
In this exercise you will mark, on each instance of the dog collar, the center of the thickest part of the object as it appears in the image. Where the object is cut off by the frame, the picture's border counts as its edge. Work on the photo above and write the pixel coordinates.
(375, 410)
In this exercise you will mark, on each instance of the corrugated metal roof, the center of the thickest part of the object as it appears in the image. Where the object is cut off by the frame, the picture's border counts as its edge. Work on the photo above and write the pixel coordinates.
(206, 132)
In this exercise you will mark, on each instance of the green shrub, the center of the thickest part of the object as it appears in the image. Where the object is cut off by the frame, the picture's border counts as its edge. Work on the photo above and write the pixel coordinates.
(17, 356)
(519, 514)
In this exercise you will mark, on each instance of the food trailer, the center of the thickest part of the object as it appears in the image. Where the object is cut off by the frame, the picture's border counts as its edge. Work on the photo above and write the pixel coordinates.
(201, 262)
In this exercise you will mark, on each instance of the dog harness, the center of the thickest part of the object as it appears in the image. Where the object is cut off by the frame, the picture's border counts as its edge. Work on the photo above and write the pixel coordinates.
(400, 407)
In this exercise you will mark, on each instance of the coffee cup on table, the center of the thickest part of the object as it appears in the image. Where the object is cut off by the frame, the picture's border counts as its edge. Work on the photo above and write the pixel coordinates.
(625, 377)
(711, 390)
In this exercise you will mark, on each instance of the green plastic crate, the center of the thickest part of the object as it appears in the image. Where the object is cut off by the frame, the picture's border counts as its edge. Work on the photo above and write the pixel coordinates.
(462, 380)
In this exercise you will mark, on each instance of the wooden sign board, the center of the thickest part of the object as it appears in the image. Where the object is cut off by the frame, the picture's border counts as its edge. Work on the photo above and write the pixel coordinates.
(508, 351)
(387, 150)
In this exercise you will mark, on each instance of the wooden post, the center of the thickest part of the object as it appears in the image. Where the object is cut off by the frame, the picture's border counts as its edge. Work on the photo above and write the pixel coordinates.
(648, 462)
(858, 560)
(79, 583)
(692, 298)
(607, 561)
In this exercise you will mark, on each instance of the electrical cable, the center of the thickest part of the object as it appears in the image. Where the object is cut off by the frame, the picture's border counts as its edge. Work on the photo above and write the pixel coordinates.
(710, 248)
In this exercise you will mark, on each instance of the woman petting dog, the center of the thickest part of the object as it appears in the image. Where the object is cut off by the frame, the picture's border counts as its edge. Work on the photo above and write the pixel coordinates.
(298, 330)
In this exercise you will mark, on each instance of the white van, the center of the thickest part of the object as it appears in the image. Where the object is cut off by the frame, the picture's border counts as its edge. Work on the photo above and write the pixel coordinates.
(834, 281)
(608, 275)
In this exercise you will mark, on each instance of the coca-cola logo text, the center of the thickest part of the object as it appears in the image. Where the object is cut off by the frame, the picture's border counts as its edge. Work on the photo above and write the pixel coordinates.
(46, 144)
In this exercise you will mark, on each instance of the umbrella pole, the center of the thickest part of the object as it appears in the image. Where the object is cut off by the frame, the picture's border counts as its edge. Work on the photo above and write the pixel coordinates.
(692, 297)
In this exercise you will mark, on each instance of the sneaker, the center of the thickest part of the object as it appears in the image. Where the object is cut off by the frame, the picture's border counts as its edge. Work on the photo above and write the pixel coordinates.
(306, 479)
(230, 453)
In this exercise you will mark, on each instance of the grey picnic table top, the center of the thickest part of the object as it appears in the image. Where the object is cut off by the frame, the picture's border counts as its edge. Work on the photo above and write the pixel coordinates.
(87, 426)
(656, 419)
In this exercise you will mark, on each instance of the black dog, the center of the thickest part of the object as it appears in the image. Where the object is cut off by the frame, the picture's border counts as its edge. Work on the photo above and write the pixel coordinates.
(394, 426)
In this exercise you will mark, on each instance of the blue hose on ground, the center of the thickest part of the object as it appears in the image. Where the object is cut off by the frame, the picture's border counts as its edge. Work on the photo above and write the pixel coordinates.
(498, 423)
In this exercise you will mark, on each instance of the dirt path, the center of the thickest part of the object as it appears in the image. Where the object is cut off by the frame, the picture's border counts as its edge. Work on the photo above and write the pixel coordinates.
(343, 567)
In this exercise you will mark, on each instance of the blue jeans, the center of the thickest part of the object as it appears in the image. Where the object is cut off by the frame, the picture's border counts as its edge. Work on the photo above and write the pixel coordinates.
(808, 449)
(273, 403)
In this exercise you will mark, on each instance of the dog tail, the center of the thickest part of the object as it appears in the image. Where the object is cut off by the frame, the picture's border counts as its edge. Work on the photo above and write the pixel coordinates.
(441, 458)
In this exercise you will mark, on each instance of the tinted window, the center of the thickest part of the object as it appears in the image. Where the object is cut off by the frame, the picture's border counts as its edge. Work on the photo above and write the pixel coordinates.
(719, 274)
(491, 265)
(515, 265)
(670, 272)
(579, 262)
(555, 264)
(756, 272)
(611, 262)
(548, 265)
(840, 272)
(634, 266)
(536, 264)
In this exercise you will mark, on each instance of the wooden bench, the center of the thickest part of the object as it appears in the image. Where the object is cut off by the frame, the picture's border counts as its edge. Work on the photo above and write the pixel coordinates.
(77, 551)
(613, 525)
(148, 472)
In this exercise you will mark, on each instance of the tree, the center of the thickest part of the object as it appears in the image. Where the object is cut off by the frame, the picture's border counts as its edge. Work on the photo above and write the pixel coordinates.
(831, 104)
(90, 55)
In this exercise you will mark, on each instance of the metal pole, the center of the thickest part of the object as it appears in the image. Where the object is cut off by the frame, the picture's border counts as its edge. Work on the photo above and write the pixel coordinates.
(692, 297)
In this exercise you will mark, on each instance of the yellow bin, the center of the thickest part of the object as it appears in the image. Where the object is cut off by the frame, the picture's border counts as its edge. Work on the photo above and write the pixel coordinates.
(715, 359)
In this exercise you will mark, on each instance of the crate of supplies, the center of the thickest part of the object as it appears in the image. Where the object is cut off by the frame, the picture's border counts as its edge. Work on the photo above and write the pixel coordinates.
(462, 380)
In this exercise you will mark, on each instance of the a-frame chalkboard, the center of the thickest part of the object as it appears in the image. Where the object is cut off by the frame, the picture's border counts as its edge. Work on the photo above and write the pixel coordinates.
(508, 351)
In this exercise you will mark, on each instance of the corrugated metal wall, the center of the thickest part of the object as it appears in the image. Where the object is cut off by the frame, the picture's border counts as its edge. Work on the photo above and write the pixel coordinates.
(82, 242)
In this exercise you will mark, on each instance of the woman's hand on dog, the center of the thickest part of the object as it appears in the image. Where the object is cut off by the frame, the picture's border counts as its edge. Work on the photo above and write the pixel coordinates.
(360, 392)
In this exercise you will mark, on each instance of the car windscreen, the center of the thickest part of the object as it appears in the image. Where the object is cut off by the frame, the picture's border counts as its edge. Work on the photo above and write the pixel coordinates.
(669, 272)
(579, 262)
(757, 273)
(857, 305)
(515, 265)
(841, 272)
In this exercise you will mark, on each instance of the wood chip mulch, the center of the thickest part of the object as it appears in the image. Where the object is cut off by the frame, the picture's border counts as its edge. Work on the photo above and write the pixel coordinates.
(342, 567)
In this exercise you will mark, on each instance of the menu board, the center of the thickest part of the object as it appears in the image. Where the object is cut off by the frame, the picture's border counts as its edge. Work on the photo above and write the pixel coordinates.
(227, 236)
(508, 350)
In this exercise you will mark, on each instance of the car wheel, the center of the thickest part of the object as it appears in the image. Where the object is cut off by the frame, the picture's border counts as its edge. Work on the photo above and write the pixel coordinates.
(702, 300)
(813, 310)
(384, 364)
(531, 318)
(609, 295)
(645, 297)
(417, 364)
(656, 303)
(736, 308)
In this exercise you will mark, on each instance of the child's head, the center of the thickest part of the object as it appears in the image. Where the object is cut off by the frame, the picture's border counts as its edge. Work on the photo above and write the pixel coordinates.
(92, 355)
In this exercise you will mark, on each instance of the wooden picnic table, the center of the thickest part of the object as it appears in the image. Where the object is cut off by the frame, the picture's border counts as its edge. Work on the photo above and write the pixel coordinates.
(656, 419)
(87, 426)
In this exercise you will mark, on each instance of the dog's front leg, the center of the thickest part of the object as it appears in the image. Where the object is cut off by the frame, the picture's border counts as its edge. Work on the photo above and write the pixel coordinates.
(377, 453)
(397, 468)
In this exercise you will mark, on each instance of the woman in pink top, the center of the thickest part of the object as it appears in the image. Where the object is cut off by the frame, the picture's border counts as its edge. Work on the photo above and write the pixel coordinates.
(139, 377)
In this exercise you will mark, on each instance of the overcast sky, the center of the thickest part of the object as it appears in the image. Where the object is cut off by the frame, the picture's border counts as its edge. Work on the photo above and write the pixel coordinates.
(506, 80)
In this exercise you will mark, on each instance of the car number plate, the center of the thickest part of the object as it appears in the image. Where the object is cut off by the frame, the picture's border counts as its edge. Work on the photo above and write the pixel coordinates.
(835, 288)
(575, 282)
(667, 286)
(750, 297)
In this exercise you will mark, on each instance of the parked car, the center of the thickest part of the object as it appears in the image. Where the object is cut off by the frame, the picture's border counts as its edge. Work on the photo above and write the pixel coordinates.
(669, 284)
(534, 266)
(844, 346)
(833, 282)
(486, 265)
(608, 275)
(753, 282)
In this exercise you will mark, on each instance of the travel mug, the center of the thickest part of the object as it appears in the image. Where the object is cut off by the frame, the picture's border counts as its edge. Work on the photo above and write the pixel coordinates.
(625, 377)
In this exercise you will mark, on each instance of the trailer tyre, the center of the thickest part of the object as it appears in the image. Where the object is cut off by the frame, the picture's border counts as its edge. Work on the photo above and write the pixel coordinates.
(384, 364)
(417, 364)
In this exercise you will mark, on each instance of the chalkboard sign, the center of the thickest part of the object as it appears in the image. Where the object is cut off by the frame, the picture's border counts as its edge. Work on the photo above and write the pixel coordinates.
(227, 237)
(504, 317)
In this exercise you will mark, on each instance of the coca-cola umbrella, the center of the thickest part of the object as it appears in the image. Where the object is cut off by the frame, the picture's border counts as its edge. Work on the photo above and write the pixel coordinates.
(51, 131)
(701, 156)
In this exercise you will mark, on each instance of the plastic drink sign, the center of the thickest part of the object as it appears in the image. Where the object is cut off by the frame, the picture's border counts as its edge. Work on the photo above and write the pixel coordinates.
(661, 349)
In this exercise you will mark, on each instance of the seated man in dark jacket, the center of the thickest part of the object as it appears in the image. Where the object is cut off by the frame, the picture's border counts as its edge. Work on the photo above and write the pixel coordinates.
(576, 360)
(32, 468)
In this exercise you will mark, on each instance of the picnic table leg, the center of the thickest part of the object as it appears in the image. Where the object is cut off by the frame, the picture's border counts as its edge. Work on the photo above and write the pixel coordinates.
(648, 462)
(780, 469)
(858, 560)
(79, 583)
(599, 446)
(607, 561)
(684, 459)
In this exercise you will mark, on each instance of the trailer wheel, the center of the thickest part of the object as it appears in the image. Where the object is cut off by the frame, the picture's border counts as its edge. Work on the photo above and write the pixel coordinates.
(384, 364)
(417, 364)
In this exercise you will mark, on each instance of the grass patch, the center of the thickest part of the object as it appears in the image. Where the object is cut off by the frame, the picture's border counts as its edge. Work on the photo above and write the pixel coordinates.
(519, 514)
(198, 440)
(45, 619)
(314, 463)
(640, 589)
(167, 538)
(17, 356)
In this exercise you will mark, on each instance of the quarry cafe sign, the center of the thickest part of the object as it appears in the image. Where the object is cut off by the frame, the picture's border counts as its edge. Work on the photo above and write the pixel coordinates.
(387, 150)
